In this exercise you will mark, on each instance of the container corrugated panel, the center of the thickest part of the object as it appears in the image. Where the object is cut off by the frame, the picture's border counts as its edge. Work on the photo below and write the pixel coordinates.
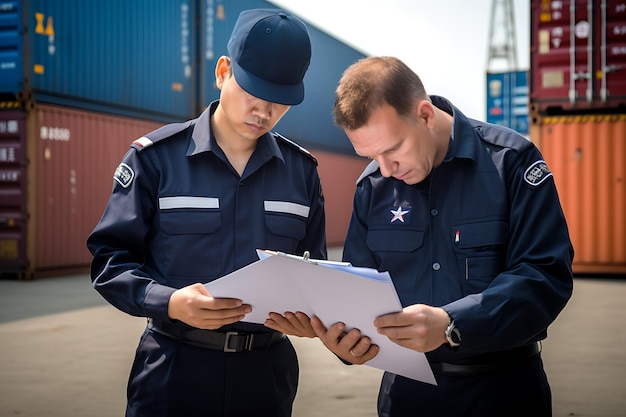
(128, 57)
(13, 207)
(338, 174)
(309, 123)
(578, 55)
(76, 155)
(72, 157)
(587, 155)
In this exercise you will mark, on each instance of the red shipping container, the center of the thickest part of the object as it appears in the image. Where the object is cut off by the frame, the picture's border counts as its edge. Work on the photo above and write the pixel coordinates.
(338, 174)
(62, 190)
(73, 155)
(578, 55)
(587, 154)
(12, 191)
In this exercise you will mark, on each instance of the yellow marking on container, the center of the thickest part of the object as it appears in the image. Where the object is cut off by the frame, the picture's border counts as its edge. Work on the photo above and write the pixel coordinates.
(39, 28)
(50, 27)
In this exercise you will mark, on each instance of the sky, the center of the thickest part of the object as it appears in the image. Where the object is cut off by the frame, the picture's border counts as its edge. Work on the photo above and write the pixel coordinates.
(444, 41)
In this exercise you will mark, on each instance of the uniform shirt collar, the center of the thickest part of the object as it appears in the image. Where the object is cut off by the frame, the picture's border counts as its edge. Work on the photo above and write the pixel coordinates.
(203, 140)
(461, 143)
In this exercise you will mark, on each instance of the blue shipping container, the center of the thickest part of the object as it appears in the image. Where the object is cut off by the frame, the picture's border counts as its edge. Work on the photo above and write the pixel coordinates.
(130, 57)
(309, 123)
(507, 100)
(153, 59)
(11, 47)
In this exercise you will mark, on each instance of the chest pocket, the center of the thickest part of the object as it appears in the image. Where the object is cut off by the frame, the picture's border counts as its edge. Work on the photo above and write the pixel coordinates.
(481, 250)
(285, 231)
(394, 240)
(190, 247)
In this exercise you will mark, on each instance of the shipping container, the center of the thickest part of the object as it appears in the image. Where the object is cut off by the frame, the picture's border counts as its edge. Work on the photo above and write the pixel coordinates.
(127, 57)
(72, 156)
(86, 78)
(578, 56)
(338, 174)
(507, 99)
(56, 174)
(151, 59)
(587, 155)
(309, 123)
(13, 210)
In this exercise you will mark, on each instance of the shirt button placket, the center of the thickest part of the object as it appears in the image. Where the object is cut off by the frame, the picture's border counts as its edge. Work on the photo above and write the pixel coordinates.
(436, 265)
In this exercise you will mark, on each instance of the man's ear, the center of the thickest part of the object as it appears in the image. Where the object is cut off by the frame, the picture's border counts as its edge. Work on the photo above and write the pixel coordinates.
(425, 112)
(222, 71)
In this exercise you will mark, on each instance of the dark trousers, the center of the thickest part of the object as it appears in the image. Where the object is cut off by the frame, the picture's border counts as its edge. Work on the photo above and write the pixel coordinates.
(170, 378)
(518, 390)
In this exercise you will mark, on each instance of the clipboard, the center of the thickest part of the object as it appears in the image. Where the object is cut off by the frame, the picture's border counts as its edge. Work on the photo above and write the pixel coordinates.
(332, 291)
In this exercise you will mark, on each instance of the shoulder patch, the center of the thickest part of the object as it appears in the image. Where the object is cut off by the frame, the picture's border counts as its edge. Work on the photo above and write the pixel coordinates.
(295, 146)
(537, 173)
(143, 142)
(124, 175)
(161, 133)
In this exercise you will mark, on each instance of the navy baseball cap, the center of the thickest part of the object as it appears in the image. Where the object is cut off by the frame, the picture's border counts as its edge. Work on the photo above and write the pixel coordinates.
(270, 51)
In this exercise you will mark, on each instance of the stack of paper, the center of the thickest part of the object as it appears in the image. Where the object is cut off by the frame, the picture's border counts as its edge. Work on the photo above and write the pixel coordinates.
(332, 291)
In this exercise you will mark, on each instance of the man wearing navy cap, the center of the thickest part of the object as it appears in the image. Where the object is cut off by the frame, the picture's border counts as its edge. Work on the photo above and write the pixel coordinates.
(191, 203)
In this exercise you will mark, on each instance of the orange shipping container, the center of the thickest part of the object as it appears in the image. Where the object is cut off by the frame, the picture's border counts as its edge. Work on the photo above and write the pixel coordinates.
(587, 154)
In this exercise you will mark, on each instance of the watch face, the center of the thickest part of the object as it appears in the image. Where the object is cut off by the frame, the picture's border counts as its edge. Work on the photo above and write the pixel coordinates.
(456, 335)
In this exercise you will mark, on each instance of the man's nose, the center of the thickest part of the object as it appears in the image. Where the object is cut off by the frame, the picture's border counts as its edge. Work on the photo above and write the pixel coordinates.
(263, 109)
(386, 167)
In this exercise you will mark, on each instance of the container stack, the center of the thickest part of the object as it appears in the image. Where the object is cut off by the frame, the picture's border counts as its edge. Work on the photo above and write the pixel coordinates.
(79, 81)
(578, 120)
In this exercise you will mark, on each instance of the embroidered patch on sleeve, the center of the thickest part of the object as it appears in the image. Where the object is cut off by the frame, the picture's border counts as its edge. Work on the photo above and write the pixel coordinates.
(537, 173)
(124, 175)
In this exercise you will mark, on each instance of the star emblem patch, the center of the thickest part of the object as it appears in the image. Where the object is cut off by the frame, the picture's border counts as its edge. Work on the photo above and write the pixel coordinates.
(400, 214)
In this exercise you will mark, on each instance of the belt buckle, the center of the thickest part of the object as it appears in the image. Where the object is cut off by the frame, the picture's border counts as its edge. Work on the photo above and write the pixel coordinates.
(227, 342)
(248, 344)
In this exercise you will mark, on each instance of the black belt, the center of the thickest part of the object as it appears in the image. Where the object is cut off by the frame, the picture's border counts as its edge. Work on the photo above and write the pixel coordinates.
(224, 341)
(487, 363)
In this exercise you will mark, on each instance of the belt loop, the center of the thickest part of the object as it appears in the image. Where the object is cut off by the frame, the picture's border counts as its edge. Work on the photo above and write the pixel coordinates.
(249, 341)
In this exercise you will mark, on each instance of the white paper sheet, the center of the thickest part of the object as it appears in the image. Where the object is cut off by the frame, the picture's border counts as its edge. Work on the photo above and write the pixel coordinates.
(336, 292)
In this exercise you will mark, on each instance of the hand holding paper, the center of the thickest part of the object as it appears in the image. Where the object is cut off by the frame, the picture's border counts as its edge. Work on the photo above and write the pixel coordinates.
(292, 323)
(352, 346)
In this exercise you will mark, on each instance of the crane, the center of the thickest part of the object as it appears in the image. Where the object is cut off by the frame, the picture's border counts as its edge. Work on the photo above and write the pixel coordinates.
(502, 50)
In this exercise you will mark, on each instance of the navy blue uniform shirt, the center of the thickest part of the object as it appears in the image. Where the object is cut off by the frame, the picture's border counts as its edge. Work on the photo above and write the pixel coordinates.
(483, 236)
(180, 214)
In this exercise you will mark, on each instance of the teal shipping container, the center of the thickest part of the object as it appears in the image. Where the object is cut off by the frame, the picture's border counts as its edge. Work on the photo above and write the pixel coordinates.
(507, 100)
(133, 58)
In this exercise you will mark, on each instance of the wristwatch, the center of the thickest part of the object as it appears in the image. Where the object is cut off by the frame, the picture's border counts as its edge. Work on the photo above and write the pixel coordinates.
(453, 334)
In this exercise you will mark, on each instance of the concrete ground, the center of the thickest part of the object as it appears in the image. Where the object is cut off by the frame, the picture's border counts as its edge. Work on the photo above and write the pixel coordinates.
(64, 352)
